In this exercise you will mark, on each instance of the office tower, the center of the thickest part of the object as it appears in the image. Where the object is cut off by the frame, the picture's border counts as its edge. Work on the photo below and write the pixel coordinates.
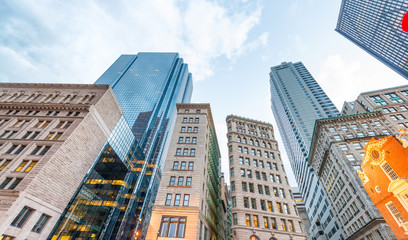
(336, 155)
(297, 101)
(47, 145)
(115, 199)
(375, 26)
(262, 203)
(190, 203)
(385, 170)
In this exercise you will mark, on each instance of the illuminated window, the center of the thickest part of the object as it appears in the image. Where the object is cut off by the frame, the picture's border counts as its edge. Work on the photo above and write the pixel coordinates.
(291, 226)
(266, 222)
(173, 227)
(284, 227)
(255, 217)
(21, 166)
(248, 219)
(278, 205)
(270, 206)
(273, 223)
(4, 165)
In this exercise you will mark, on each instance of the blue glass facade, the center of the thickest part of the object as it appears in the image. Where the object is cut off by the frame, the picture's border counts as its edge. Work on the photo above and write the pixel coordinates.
(375, 26)
(116, 197)
(297, 102)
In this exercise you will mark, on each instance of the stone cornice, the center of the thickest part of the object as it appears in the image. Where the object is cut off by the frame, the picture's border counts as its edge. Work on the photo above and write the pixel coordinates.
(43, 106)
(54, 86)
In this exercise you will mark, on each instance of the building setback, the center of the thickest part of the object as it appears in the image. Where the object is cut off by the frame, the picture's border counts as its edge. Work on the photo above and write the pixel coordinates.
(375, 26)
(48, 143)
(385, 167)
(191, 202)
(115, 199)
(297, 102)
(262, 203)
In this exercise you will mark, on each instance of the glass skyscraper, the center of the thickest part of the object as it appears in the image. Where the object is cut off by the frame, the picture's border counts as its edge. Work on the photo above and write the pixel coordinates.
(375, 26)
(297, 102)
(115, 199)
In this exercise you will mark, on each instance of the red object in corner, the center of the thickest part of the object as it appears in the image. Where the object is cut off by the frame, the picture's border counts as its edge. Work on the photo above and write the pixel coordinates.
(404, 23)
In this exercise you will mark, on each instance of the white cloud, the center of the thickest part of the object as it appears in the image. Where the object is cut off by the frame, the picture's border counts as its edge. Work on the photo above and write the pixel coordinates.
(75, 41)
(343, 77)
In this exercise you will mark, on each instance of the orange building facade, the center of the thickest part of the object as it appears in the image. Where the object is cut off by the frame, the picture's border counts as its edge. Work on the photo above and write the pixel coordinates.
(385, 178)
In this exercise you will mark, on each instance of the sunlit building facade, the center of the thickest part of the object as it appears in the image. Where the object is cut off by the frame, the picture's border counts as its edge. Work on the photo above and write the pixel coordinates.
(115, 199)
(384, 175)
(375, 26)
(262, 204)
(297, 102)
(47, 145)
(191, 202)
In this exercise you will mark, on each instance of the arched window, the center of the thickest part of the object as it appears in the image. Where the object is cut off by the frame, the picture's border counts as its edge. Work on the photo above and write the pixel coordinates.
(253, 237)
(251, 141)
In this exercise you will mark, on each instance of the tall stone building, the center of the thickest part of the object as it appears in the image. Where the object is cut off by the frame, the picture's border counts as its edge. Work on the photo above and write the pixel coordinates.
(50, 135)
(337, 153)
(262, 203)
(191, 203)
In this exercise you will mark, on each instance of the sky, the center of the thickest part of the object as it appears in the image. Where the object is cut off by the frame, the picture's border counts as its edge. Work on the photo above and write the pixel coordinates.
(229, 46)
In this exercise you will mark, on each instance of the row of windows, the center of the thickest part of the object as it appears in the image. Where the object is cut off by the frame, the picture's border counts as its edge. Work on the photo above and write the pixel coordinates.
(287, 225)
(24, 214)
(392, 97)
(248, 173)
(191, 120)
(177, 199)
(254, 152)
(251, 142)
(172, 226)
(265, 205)
(249, 126)
(255, 162)
(34, 113)
(186, 152)
(240, 130)
(38, 150)
(180, 181)
(187, 140)
(183, 165)
(189, 129)
(25, 166)
(40, 124)
(31, 135)
(188, 111)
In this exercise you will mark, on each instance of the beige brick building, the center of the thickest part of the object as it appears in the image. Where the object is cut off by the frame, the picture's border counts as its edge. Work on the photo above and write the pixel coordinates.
(50, 134)
(337, 153)
(262, 203)
(190, 202)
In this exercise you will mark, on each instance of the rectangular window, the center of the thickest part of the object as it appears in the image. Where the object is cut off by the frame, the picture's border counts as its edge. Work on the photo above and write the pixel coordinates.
(172, 180)
(190, 165)
(266, 222)
(186, 200)
(173, 227)
(15, 183)
(194, 140)
(183, 165)
(168, 199)
(251, 187)
(4, 165)
(176, 165)
(392, 175)
(234, 219)
(278, 206)
(192, 152)
(267, 191)
(284, 227)
(291, 226)
(255, 217)
(197, 120)
(234, 202)
(273, 223)
(248, 219)
(232, 186)
(253, 203)
(185, 151)
(231, 172)
(180, 140)
(21, 217)
(244, 187)
(249, 173)
(195, 129)
(21, 166)
(260, 189)
(263, 205)
(282, 192)
(177, 200)
(180, 181)
(188, 181)
(278, 178)
(270, 206)
(5, 183)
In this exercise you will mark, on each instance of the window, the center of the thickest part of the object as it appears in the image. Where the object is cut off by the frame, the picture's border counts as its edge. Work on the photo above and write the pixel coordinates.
(6, 237)
(260, 189)
(248, 219)
(231, 172)
(173, 227)
(257, 175)
(291, 226)
(394, 98)
(337, 138)
(184, 120)
(270, 206)
(392, 175)
(395, 213)
(239, 149)
(255, 217)
(21, 217)
(343, 147)
(266, 222)
(264, 176)
(263, 205)
(187, 139)
(275, 167)
(284, 227)
(269, 165)
(286, 208)
(21, 166)
(190, 165)
(176, 165)
(251, 187)
(183, 165)
(244, 187)
(180, 181)
(246, 150)
(234, 201)
(273, 223)
(168, 199)
(190, 120)
(194, 139)
(180, 140)
(246, 202)
(197, 120)
(249, 173)
(183, 129)
(261, 164)
(272, 177)
(378, 100)
(357, 146)
(195, 129)
(177, 200)
(267, 191)
(5, 183)
(4, 165)
(172, 180)
(234, 219)
(238, 139)
(275, 192)
(278, 178)
(253, 203)
(198, 111)
(232, 186)
(350, 157)
(247, 161)
(279, 207)
(188, 181)
(255, 163)
(186, 200)
(282, 192)
(192, 152)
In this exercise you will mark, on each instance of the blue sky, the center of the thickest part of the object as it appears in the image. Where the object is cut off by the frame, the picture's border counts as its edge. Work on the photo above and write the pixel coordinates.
(229, 46)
